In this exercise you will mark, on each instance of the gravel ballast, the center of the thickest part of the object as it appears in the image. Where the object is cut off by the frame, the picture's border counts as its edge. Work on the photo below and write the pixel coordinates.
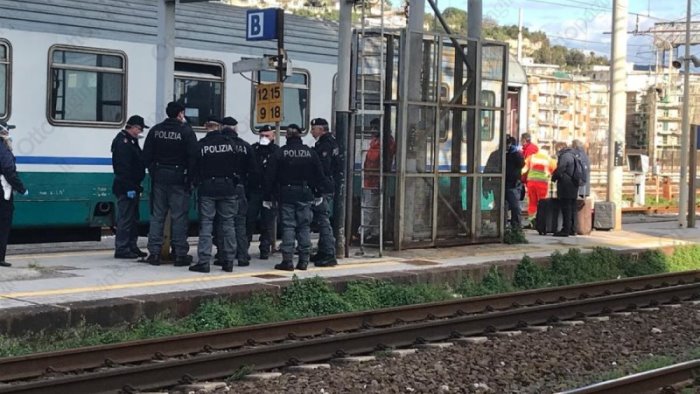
(540, 362)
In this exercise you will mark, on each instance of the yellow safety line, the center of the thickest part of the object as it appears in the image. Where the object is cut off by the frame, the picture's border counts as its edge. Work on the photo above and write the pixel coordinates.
(196, 279)
(66, 254)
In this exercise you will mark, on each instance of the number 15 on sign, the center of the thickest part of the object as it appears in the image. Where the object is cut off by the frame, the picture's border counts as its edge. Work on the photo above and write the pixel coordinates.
(268, 103)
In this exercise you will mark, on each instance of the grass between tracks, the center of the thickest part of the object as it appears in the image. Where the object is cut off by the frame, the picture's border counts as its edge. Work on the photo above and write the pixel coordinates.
(313, 297)
(647, 363)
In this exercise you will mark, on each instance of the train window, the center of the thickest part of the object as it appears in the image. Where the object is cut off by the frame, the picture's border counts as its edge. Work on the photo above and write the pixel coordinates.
(295, 100)
(4, 79)
(199, 86)
(487, 126)
(87, 87)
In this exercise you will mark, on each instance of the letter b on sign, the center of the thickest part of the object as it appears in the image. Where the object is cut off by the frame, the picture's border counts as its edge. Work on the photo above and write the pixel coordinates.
(262, 24)
(256, 25)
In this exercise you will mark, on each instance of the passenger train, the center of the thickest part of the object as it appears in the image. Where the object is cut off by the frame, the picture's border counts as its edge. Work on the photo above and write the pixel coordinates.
(73, 71)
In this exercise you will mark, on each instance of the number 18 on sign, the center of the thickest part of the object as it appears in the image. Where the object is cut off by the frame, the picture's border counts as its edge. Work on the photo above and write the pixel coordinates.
(268, 103)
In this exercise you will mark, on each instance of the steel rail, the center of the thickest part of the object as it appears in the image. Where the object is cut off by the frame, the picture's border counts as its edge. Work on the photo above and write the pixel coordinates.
(35, 365)
(645, 381)
(221, 364)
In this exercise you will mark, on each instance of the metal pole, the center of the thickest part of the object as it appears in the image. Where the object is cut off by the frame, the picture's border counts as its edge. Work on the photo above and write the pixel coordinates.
(618, 110)
(474, 18)
(165, 81)
(683, 198)
(692, 177)
(165, 56)
(520, 35)
(342, 124)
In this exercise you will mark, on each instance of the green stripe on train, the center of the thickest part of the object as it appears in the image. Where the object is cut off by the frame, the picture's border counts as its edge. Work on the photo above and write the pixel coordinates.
(59, 199)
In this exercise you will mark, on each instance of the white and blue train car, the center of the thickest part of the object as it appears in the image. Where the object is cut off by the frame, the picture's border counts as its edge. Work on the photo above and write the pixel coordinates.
(73, 71)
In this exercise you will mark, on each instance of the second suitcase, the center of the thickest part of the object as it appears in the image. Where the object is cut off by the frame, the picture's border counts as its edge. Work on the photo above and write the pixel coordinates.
(548, 219)
(604, 215)
(584, 216)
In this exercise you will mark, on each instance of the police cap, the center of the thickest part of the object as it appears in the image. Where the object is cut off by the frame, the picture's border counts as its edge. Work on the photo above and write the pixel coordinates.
(213, 119)
(229, 121)
(319, 122)
(136, 121)
(265, 128)
(294, 126)
(5, 128)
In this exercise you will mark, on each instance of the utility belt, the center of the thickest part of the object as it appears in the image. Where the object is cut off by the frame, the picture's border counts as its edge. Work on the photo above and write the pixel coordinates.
(218, 186)
(291, 192)
(170, 174)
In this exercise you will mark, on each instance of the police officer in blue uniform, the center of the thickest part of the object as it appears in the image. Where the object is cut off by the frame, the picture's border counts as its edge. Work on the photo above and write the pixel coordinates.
(263, 149)
(12, 181)
(169, 153)
(247, 170)
(329, 153)
(129, 172)
(217, 179)
(295, 176)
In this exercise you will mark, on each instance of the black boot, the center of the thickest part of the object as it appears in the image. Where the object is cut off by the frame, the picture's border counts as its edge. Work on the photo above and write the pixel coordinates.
(316, 257)
(183, 261)
(326, 261)
(5, 264)
(204, 268)
(301, 266)
(153, 259)
(264, 255)
(285, 266)
(140, 252)
(228, 267)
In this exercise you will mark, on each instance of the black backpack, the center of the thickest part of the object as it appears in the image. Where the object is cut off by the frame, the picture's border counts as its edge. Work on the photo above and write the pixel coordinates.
(578, 177)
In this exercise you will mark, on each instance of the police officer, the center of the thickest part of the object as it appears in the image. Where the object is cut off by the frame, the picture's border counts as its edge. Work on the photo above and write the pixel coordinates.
(128, 175)
(169, 153)
(263, 149)
(294, 174)
(329, 153)
(216, 185)
(247, 170)
(10, 182)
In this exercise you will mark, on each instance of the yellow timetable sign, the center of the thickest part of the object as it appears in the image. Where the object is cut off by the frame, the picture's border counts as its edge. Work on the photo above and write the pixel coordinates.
(268, 103)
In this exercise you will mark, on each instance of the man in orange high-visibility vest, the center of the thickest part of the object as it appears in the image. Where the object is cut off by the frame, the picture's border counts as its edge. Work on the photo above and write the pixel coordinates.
(537, 174)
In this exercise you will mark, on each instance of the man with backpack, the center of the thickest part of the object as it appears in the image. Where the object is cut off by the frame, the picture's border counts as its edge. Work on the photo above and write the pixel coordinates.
(569, 176)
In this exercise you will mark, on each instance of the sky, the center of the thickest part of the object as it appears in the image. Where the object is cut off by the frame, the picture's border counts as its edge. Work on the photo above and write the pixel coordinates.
(581, 23)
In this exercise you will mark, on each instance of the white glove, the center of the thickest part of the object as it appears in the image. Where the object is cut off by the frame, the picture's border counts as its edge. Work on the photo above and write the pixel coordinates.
(267, 204)
(318, 201)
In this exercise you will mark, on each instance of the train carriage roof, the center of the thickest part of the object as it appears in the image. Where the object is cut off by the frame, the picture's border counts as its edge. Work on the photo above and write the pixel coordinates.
(210, 26)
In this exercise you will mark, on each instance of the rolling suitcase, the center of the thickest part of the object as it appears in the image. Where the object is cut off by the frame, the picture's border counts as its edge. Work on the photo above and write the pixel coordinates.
(548, 219)
(584, 216)
(604, 216)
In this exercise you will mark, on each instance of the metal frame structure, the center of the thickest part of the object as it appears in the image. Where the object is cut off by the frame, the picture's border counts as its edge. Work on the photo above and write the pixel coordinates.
(451, 212)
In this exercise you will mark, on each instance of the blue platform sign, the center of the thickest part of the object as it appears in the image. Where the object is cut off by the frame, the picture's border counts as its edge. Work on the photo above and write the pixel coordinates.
(261, 24)
(697, 136)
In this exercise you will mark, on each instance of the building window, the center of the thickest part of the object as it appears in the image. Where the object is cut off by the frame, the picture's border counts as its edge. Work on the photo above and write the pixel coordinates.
(4, 79)
(199, 86)
(87, 87)
(295, 100)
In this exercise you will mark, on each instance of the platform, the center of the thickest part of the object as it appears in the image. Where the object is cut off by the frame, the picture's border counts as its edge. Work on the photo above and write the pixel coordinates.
(87, 271)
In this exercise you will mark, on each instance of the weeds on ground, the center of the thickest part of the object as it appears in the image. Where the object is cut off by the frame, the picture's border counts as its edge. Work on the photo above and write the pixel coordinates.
(649, 262)
(513, 236)
(684, 258)
(240, 373)
(529, 275)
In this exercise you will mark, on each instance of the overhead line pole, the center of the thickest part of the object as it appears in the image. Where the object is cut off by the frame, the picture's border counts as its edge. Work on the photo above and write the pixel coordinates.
(683, 197)
(618, 109)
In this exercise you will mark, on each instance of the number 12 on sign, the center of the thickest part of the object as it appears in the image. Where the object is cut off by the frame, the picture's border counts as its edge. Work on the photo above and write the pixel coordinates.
(268, 103)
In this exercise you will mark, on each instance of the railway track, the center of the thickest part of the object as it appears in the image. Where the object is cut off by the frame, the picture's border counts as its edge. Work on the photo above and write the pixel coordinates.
(649, 381)
(165, 362)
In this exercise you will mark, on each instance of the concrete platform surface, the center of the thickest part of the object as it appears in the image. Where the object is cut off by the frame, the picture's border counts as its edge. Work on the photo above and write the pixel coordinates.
(44, 278)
